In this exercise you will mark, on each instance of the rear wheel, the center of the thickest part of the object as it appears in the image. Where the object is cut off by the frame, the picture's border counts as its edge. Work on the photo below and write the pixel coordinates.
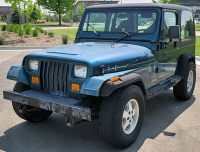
(28, 112)
(121, 116)
(185, 88)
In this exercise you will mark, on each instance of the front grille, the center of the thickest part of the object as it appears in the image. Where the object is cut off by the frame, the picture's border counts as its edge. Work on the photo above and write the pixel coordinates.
(54, 77)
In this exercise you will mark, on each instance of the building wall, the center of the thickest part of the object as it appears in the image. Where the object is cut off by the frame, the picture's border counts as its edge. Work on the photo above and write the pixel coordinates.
(191, 3)
(4, 10)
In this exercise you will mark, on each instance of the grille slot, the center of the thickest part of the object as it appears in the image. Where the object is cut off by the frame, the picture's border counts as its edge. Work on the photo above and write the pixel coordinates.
(54, 77)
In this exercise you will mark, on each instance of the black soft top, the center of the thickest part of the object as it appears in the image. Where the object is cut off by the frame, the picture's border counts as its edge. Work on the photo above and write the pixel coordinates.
(145, 5)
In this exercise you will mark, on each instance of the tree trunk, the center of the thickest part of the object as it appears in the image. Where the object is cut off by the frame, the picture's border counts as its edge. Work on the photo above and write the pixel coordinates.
(59, 19)
(24, 15)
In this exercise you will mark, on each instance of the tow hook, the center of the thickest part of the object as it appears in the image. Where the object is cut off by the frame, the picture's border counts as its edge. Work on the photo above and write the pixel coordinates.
(71, 122)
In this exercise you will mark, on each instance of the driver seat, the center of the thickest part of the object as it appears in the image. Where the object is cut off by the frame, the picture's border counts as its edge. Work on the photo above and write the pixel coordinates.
(127, 25)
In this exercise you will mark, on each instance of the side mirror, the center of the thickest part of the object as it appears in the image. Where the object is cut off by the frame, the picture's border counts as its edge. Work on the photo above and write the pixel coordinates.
(174, 32)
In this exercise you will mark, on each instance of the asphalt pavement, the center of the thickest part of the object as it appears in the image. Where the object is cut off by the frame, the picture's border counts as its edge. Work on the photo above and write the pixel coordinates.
(169, 125)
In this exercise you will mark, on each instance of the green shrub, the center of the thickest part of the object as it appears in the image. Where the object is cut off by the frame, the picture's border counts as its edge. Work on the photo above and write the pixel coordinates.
(4, 34)
(42, 30)
(51, 34)
(35, 33)
(45, 32)
(25, 36)
(27, 31)
(20, 33)
(39, 29)
(1, 41)
(26, 25)
(65, 39)
(16, 28)
(4, 27)
(7, 36)
(10, 28)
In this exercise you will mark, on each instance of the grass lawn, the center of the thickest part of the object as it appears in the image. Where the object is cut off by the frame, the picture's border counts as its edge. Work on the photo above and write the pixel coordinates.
(197, 27)
(197, 53)
(71, 33)
(52, 24)
(44, 24)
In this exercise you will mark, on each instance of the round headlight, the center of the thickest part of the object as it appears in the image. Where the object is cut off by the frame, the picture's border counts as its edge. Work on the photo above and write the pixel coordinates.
(80, 71)
(33, 65)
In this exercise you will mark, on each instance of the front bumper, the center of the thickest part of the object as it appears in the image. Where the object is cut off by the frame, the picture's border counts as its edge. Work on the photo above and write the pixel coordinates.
(63, 105)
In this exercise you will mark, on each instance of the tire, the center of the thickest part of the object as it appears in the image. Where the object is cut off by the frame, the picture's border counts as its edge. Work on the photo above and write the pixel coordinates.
(111, 116)
(142, 23)
(181, 91)
(31, 115)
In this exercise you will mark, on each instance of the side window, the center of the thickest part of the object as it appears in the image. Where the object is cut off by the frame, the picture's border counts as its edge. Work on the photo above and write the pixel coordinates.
(187, 25)
(146, 21)
(170, 19)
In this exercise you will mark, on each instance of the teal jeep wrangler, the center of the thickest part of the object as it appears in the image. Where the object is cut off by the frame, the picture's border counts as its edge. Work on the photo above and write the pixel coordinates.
(114, 66)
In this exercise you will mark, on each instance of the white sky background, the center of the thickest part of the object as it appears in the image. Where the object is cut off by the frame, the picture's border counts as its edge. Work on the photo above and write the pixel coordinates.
(2, 3)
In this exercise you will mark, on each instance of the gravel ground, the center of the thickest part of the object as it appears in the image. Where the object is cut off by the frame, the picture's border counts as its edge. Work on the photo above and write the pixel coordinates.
(41, 40)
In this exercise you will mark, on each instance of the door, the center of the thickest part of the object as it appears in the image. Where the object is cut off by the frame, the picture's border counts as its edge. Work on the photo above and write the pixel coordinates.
(166, 54)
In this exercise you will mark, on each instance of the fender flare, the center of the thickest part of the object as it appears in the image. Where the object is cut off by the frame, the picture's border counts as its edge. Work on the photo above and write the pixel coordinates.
(17, 73)
(182, 63)
(132, 78)
(98, 85)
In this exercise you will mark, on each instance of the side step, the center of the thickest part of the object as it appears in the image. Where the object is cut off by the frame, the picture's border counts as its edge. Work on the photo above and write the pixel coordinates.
(166, 85)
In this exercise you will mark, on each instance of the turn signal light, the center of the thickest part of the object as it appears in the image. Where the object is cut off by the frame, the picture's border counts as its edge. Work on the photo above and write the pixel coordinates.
(35, 80)
(75, 87)
(114, 79)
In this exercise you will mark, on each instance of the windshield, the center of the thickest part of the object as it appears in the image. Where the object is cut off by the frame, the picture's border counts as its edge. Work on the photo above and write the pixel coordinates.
(138, 21)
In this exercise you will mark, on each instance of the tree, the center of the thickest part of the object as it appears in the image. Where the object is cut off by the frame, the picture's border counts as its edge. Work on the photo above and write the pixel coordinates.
(58, 6)
(36, 13)
(71, 14)
(15, 18)
(66, 18)
(81, 9)
(165, 1)
(25, 6)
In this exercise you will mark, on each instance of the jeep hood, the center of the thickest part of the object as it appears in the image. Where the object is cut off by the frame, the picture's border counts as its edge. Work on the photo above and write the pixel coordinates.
(113, 57)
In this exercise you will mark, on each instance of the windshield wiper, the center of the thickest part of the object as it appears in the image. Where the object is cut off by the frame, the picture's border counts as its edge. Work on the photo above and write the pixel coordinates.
(92, 28)
(122, 28)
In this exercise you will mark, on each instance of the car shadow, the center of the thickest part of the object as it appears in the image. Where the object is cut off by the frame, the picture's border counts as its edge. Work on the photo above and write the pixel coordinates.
(53, 135)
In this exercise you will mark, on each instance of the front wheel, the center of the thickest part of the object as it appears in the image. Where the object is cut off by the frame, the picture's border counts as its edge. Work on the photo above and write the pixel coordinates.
(121, 116)
(185, 88)
(26, 112)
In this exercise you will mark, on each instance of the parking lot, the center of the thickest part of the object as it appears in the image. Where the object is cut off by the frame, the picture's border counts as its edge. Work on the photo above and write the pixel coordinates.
(169, 125)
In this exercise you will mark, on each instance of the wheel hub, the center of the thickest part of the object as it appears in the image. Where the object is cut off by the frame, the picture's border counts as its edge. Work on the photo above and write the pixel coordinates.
(190, 81)
(130, 116)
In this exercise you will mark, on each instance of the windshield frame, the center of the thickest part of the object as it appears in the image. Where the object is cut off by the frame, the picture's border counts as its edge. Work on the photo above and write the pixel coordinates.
(116, 9)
